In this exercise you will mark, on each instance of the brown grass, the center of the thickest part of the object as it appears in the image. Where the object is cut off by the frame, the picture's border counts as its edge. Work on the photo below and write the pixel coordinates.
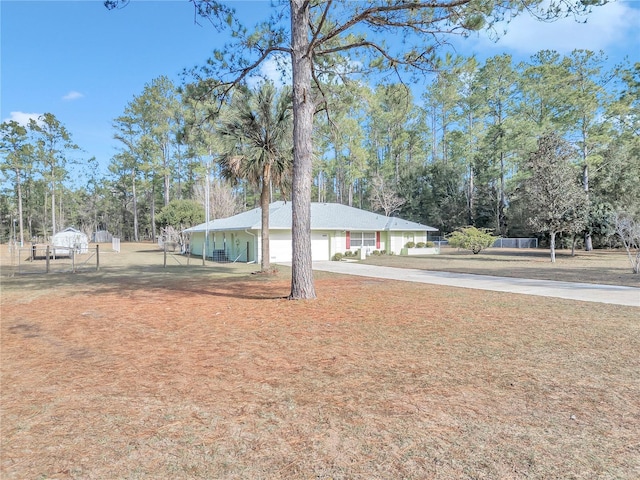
(608, 267)
(143, 372)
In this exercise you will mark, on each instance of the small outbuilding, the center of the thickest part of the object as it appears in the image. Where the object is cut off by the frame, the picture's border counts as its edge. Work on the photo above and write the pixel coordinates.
(335, 228)
(70, 239)
(102, 236)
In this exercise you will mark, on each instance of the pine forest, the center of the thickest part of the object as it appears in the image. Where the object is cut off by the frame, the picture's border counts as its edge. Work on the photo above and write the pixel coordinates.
(477, 146)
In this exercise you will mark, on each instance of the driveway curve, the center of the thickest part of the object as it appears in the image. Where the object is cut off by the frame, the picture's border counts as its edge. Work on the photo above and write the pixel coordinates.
(586, 292)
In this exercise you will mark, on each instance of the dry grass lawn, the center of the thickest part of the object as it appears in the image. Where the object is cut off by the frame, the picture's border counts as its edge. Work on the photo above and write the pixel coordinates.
(608, 267)
(140, 372)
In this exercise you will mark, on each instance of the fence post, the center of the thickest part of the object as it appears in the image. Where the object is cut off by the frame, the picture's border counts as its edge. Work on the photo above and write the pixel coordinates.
(73, 260)
(47, 258)
(97, 257)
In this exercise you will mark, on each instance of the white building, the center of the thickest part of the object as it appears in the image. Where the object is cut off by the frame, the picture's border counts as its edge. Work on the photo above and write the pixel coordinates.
(70, 239)
(335, 228)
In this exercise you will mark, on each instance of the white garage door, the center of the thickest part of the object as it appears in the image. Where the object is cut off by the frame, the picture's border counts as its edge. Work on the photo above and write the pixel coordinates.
(280, 246)
(319, 246)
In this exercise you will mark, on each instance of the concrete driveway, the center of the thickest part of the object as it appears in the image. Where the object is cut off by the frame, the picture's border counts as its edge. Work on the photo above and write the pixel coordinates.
(586, 292)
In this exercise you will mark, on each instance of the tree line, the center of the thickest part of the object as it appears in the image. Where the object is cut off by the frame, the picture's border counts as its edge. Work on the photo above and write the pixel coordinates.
(473, 148)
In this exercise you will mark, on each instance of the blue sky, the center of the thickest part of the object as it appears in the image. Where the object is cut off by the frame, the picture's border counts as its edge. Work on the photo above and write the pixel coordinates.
(83, 63)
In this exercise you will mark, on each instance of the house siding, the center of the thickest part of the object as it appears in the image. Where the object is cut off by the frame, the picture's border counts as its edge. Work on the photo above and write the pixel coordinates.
(333, 227)
(241, 246)
(237, 245)
(399, 239)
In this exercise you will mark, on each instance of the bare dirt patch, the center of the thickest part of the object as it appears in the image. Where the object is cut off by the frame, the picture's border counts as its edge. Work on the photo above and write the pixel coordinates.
(207, 372)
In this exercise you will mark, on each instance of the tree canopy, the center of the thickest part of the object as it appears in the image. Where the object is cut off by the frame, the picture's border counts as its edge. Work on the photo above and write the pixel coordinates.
(255, 134)
(449, 157)
(327, 41)
(555, 200)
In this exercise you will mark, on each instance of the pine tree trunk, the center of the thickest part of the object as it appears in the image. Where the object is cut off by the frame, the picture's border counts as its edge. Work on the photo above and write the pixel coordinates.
(470, 202)
(303, 110)
(53, 208)
(44, 215)
(20, 213)
(135, 207)
(61, 220)
(588, 243)
(502, 219)
(264, 206)
(152, 204)
(166, 180)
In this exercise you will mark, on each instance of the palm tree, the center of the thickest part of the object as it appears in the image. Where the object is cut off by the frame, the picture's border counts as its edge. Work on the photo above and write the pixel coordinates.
(256, 135)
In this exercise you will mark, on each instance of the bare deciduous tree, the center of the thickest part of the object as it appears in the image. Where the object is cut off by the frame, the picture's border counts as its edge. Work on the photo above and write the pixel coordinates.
(223, 202)
(628, 229)
(384, 198)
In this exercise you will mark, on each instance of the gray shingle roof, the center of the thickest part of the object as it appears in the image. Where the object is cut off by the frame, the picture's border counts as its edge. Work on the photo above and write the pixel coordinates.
(324, 216)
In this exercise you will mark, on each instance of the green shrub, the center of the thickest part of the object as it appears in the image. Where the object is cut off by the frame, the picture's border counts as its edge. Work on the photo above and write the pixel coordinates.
(180, 214)
(410, 245)
(376, 252)
(430, 245)
(471, 238)
(337, 257)
(383, 252)
(420, 245)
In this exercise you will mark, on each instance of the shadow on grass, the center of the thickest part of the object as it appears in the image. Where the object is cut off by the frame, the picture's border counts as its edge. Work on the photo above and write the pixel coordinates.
(237, 280)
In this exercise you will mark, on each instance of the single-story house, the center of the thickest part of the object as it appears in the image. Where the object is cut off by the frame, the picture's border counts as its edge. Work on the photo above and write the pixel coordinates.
(335, 228)
(70, 239)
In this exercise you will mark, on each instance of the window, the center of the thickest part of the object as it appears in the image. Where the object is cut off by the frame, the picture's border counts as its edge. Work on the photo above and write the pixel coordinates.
(363, 239)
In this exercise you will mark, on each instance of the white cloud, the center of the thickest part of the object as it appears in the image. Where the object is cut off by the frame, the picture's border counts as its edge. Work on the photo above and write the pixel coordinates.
(276, 69)
(613, 25)
(22, 118)
(72, 95)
